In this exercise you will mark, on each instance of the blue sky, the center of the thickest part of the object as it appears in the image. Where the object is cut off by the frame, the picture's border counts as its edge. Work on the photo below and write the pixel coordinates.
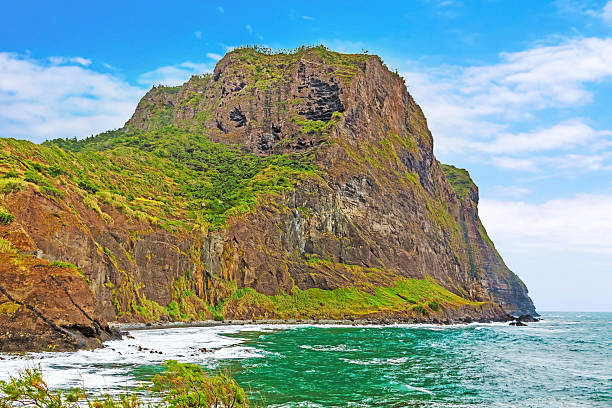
(518, 92)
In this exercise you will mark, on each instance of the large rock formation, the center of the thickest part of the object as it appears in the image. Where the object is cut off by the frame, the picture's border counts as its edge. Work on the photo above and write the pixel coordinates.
(342, 188)
(43, 306)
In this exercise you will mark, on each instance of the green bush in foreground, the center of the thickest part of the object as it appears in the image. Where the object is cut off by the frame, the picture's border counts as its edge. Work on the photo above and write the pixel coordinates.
(180, 385)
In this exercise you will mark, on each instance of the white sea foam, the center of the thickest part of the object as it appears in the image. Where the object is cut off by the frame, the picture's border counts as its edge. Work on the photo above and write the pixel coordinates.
(410, 387)
(106, 368)
(378, 361)
(341, 347)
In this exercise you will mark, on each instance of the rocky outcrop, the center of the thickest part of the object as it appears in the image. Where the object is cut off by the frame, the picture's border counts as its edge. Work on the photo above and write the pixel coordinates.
(378, 208)
(46, 307)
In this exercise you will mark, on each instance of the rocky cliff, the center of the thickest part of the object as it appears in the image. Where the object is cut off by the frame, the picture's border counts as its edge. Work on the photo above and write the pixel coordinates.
(283, 185)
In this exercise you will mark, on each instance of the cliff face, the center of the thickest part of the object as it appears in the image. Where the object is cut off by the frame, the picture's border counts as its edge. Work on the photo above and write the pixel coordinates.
(44, 306)
(283, 173)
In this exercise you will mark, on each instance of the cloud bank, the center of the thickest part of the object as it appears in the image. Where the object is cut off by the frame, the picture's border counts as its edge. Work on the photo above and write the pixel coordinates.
(577, 224)
(472, 109)
(60, 97)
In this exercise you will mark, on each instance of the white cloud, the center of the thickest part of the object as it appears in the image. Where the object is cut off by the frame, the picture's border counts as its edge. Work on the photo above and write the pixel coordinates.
(228, 48)
(581, 162)
(522, 83)
(578, 224)
(544, 76)
(511, 191)
(562, 136)
(448, 8)
(70, 60)
(587, 8)
(474, 110)
(513, 163)
(198, 35)
(606, 13)
(559, 164)
(60, 98)
(214, 56)
(307, 18)
(173, 75)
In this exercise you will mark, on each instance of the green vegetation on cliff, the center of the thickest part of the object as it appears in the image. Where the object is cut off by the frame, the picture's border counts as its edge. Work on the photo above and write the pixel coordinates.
(184, 306)
(408, 296)
(459, 179)
(171, 177)
(269, 63)
(212, 181)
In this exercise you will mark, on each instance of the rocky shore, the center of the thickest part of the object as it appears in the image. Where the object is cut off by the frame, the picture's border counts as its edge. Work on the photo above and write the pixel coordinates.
(123, 327)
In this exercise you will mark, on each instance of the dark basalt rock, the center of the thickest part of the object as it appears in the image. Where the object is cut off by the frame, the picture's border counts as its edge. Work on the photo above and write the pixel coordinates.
(220, 126)
(238, 117)
(266, 142)
(324, 101)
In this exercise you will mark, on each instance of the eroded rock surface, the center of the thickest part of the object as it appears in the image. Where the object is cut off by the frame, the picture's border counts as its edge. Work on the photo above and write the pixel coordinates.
(45, 307)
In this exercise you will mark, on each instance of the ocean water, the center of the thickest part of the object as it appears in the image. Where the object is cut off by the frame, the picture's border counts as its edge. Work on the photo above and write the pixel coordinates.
(563, 361)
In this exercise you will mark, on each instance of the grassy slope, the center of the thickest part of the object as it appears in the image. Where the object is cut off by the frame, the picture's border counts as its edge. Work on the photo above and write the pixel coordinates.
(412, 296)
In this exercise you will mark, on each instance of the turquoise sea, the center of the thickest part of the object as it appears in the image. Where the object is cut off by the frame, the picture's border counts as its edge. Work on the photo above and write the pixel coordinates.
(563, 361)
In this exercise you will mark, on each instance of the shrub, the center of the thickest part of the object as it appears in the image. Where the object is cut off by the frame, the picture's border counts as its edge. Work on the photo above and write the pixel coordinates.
(434, 305)
(34, 177)
(311, 126)
(107, 219)
(181, 385)
(39, 167)
(187, 385)
(89, 186)
(420, 309)
(54, 170)
(92, 203)
(8, 186)
(110, 254)
(61, 264)
(6, 217)
(52, 191)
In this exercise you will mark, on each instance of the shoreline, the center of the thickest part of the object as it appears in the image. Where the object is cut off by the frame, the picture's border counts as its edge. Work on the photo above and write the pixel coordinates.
(305, 322)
